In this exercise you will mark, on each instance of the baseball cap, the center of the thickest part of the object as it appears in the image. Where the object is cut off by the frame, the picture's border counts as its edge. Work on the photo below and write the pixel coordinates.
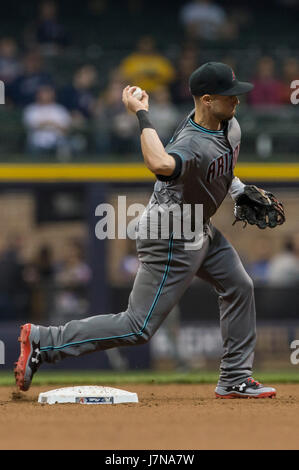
(216, 78)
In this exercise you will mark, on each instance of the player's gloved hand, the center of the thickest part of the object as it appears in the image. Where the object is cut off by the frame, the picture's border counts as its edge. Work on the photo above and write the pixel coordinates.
(258, 207)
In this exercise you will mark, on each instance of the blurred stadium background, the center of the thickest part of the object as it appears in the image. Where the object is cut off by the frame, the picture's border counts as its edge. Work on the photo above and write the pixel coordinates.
(67, 145)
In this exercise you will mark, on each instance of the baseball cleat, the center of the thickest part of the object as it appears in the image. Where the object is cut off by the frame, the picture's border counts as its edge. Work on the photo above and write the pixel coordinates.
(29, 359)
(250, 388)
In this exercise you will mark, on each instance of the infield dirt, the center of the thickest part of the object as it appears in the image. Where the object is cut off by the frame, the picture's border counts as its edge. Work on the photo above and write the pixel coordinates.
(167, 417)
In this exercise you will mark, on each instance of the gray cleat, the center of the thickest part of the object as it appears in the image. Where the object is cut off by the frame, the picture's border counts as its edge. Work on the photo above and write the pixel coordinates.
(249, 388)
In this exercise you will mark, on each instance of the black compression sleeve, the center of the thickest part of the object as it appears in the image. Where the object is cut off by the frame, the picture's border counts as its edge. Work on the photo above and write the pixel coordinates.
(143, 119)
(176, 172)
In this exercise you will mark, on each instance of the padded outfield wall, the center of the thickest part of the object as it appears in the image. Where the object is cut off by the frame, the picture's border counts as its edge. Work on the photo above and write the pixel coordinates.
(47, 203)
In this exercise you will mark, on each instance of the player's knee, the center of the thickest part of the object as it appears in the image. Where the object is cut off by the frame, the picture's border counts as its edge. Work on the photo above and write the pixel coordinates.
(142, 334)
(142, 337)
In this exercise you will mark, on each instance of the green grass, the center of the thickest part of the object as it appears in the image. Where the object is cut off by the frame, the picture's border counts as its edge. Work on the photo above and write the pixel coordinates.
(142, 377)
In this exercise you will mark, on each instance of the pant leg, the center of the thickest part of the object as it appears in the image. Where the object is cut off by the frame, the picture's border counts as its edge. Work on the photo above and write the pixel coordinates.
(222, 268)
(166, 271)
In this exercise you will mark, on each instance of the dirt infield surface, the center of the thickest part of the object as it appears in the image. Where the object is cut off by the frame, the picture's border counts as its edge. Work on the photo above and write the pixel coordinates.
(167, 417)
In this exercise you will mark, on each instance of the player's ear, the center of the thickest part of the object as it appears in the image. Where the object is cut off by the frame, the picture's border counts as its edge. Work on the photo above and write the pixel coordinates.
(206, 99)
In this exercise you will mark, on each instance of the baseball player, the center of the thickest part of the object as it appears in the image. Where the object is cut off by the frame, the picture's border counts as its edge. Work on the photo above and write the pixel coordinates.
(196, 167)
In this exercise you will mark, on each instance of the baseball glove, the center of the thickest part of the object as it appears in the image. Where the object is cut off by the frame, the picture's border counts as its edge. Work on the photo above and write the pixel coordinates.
(258, 207)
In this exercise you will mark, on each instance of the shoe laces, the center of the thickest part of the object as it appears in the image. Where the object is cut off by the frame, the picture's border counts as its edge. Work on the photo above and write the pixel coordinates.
(252, 381)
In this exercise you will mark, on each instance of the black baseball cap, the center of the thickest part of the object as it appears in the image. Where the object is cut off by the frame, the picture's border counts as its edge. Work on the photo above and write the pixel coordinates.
(216, 78)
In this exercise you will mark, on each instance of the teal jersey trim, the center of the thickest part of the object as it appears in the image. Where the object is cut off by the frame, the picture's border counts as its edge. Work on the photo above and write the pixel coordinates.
(179, 154)
(138, 333)
(203, 129)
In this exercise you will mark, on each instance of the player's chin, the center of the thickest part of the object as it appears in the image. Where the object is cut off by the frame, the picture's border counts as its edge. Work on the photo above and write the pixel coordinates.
(229, 116)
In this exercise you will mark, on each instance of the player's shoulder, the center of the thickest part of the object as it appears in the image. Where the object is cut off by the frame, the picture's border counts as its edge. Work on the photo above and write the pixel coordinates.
(186, 146)
(234, 128)
(234, 124)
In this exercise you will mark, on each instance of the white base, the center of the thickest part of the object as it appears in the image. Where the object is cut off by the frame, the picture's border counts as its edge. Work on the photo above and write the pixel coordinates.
(88, 395)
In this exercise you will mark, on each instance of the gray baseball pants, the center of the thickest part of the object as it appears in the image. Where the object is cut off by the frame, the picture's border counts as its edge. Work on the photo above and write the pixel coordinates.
(165, 273)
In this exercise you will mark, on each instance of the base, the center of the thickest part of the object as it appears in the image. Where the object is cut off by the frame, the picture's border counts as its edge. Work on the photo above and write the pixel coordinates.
(88, 395)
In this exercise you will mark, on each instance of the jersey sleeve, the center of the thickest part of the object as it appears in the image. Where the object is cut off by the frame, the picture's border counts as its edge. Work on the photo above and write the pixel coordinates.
(186, 155)
(177, 170)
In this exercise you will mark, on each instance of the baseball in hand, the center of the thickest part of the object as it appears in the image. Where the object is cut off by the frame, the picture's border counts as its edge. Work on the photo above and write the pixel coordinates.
(137, 93)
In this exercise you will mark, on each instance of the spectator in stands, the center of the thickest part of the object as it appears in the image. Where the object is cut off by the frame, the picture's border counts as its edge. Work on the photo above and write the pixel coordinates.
(50, 33)
(39, 275)
(205, 19)
(78, 97)
(130, 263)
(47, 124)
(79, 100)
(186, 64)
(267, 88)
(41, 269)
(294, 4)
(229, 60)
(14, 296)
(10, 66)
(259, 269)
(24, 88)
(164, 115)
(116, 130)
(72, 280)
(284, 267)
(74, 270)
(146, 67)
(290, 72)
(96, 8)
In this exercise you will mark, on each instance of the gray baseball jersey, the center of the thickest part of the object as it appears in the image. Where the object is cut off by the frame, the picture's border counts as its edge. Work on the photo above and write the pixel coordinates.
(205, 160)
(208, 159)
